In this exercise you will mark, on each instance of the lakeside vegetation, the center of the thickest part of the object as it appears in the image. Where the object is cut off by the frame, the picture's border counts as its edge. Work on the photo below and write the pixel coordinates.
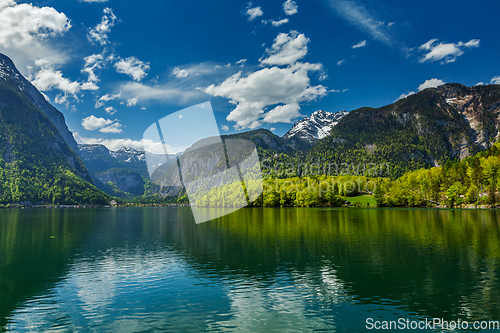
(472, 182)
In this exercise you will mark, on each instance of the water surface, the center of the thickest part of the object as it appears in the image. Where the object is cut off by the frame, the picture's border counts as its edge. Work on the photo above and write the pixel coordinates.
(255, 270)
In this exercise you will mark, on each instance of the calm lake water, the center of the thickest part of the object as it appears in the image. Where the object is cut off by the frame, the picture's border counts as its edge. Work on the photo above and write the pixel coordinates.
(255, 270)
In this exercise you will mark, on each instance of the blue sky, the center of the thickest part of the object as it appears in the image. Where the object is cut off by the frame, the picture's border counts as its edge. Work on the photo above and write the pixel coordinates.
(115, 67)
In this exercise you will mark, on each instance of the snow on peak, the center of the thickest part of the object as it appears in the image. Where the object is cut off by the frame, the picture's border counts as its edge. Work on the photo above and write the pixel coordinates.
(315, 127)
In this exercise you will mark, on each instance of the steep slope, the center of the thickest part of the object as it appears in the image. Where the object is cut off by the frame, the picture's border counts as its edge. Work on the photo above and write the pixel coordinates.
(315, 127)
(269, 144)
(9, 72)
(425, 129)
(36, 163)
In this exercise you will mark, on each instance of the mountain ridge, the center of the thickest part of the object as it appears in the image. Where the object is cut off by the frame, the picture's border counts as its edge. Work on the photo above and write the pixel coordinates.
(36, 163)
(316, 126)
(8, 71)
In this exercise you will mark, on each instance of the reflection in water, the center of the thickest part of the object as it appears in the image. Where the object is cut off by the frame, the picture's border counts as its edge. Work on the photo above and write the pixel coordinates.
(253, 270)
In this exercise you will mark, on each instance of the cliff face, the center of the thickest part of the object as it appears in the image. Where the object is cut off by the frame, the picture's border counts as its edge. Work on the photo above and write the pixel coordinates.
(480, 106)
(10, 74)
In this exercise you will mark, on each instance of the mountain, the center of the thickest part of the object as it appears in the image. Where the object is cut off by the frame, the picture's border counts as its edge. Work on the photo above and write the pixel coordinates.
(8, 71)
(99, 159)
(423, 130)
(315, 127)
(36, 162)
(269, 144)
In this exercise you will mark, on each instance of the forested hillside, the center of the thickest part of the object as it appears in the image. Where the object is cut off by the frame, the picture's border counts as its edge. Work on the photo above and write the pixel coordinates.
(36, 164)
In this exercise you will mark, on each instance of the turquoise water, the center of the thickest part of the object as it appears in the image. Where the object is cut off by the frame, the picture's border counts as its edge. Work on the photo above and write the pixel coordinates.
(255, 270)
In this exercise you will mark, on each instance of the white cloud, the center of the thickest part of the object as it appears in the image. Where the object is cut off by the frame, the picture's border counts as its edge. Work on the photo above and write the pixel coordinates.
(93, 123)
(25, 32)
(21, 24)
(283, 113)
(479, 84)
(163, 93)
(106, 98)
(93, 63)
(360, 17)
(253, 13)
(360, 44)
(267, 87)
(278, 23)
(472, 43)
(224, 128)
(340, 62)
(390, 24)
(143, 108)
(111, 110)
(403, 96)
(290, 7)
(180, 73)
(115, 144)
(286, 49)
(272, 94)
(132, 101)
(495, 80)
(241, 62)
(431, 83)
(272, 129)
(114, 128)
(132, 67)
(99, 33)
(92, 1)
(49, 78)
(445, 52)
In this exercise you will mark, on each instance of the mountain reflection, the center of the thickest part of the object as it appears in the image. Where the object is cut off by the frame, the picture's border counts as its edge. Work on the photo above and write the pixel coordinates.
(304, 269)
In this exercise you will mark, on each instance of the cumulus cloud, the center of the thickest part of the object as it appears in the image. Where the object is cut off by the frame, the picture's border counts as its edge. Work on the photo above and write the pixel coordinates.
(495, 80)
(290, 7)
(49, 78)
(340, 62)
(99, 33)
(445, 52)
(225, 128)
(278, 23)
(360, 44)
(25, 33)
(431, 83)
(93, 123)
(272, 94)
(132, 101)
(113, 128)
(283, 113)
(267, 87)
(180, 73)
(132, 67)
(254, 12)
(275, 88)
(92, 1)
(111, 110)
(286, 49)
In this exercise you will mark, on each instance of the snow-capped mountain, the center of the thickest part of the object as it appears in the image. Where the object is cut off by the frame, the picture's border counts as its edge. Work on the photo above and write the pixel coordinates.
(316, 126)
